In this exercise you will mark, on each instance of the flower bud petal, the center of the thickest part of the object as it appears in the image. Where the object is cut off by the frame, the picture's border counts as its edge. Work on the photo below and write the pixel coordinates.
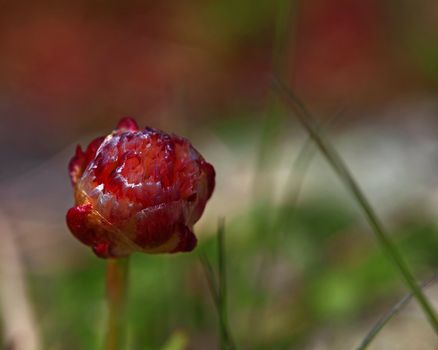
(81, 159)
(127, 124)
(187, 240)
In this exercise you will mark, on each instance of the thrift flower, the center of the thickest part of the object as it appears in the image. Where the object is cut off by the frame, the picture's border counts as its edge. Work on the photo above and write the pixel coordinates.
(138, 191)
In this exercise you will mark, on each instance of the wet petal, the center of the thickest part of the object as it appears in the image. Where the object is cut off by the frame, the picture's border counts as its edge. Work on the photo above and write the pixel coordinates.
(81, 159)
(78, 221)
(127, 124)
(76, 166)
(187, 240)
(156, 225)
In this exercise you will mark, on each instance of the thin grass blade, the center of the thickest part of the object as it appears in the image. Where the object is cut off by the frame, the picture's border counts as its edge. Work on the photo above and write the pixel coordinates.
(371, 335)
(211, 278)
(339, 166)
(217, 284)
(227, 341)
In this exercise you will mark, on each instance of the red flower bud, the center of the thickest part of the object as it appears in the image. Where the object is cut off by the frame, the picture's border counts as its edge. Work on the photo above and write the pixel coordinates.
(138, 190)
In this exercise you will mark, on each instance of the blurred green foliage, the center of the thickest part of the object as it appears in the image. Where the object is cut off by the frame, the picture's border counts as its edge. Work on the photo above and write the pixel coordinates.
(332, 273)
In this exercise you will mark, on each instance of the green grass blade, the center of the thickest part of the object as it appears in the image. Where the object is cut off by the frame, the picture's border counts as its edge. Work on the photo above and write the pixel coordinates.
(388, 316)
(226, 338)
(218, 288)
(211, 278)
(338, 165)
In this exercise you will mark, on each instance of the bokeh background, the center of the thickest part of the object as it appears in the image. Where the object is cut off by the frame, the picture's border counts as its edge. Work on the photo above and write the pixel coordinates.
(304, 269)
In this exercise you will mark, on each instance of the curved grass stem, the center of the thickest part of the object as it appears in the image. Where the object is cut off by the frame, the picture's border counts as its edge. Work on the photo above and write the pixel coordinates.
(387, 317)
(338, 165)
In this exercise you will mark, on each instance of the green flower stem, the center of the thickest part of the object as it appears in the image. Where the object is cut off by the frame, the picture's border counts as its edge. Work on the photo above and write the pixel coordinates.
(116, 286)
(334, 159)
